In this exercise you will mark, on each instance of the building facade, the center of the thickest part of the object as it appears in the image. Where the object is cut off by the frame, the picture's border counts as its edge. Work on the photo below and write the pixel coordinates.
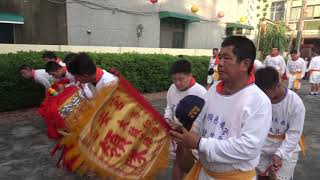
(32, 22)
(136, 23)
(290, 11)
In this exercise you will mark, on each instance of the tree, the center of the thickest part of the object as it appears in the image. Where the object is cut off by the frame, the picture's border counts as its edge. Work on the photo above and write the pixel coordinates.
(274, 36)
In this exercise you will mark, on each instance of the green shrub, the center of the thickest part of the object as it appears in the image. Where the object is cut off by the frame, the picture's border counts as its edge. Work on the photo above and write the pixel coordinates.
(147, 72)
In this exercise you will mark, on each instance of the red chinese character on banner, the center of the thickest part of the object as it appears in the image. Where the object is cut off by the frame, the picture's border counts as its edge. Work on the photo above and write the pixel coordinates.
(104, 118)
(136, 157)
(117, 103)
(123, 124)
(86, 141)
(147, 141)
(147, 124)
(155, 131)
(94, 133)
(134, 115)
(134, 132)
(113, 144)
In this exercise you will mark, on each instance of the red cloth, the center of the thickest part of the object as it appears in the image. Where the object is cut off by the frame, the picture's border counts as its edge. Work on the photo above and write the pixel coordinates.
(217, 60)
(49, 111)
(251, 80)
(99, 74)
(192, 82)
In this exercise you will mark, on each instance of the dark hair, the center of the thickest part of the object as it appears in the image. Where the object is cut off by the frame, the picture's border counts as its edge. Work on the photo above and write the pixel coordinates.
(293, 51)
(81, 64)
(25, 67)
(266, 78)
(49, 54)
(181, 66)
(68, 57)
(243, 48)
(275, 48)
(52, 66)
(215, 49)
(316, 47)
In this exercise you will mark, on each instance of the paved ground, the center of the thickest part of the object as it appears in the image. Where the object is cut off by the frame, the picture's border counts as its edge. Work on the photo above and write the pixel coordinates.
(24, 147)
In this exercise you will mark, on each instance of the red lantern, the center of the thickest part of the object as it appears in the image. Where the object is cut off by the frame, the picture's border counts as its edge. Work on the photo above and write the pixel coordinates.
(153, 1)
(221, 14)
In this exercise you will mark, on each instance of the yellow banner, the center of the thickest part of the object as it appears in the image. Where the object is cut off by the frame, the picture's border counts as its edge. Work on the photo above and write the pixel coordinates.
(118, 134)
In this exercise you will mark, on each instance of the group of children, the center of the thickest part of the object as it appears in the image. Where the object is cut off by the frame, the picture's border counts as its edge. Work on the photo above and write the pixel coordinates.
(248, 122)
(76, 69)
(294, 70)
(250, 126)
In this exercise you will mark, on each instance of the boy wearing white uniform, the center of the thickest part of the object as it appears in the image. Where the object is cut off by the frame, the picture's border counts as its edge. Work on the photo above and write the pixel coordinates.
(314, 69)
(60, 73)
(234, 123)
(183, 85)
(295, 71)
(85, 71)
(280, 151)
(40, 75)
(213, 67)
(51, 56)
(276, 61)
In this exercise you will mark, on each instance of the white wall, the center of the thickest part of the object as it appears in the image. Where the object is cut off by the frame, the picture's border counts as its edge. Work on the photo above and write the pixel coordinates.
(205, 35)
(119, 29)
(114, 28)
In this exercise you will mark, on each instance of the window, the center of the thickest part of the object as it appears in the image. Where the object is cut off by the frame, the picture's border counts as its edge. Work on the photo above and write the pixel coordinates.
(6, 33)
(172, 33)
(295, 13)
(278, 11)
(229, 31)
(311, 25)
(239, 31)
(316, 12)
(309, 13)
(312, 12)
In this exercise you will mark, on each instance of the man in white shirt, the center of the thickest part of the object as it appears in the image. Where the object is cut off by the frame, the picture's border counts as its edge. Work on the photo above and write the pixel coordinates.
(314, 69)
(40, 75)
(213, 67)
(295, 71)
(234, 123)
(60, 73)
(86, 72)
(276, 61)
(280, 151)
(183, 85)
(51, 56)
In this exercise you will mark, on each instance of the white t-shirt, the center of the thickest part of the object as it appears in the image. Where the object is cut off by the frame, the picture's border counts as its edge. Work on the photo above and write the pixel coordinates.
(314, 63)
(106, 79)
(277, 62)
(287, 119)
(233, 129)
(257, 65)
(174, 96)
(296, 66)
(42, 77)
(212, 62)
(60, 62)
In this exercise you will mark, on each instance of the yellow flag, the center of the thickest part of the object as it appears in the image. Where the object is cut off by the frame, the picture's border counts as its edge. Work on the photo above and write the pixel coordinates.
(118, 134)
